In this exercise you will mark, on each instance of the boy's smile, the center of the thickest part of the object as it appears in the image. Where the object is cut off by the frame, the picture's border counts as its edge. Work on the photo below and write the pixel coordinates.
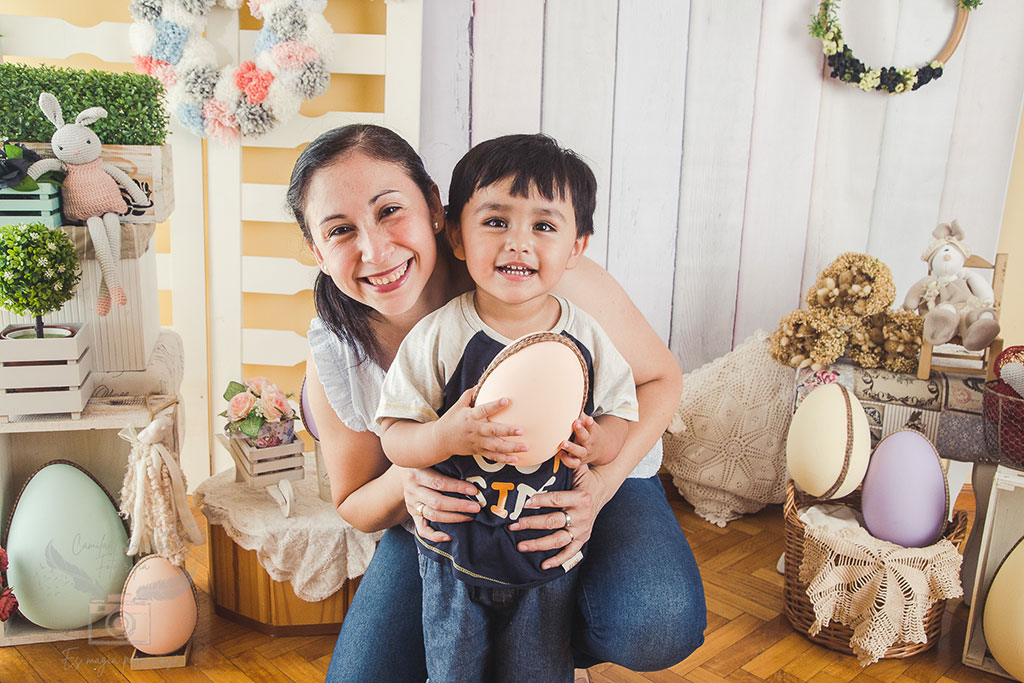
(516, 248)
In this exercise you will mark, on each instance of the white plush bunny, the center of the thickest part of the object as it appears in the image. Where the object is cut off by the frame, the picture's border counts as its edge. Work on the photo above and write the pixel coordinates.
(90, 191)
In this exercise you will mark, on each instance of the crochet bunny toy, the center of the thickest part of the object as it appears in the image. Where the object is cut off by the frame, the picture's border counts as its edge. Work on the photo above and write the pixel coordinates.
(953, 299)
(90, 191)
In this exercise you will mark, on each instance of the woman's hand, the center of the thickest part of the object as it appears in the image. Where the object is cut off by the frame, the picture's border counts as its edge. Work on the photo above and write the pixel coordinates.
(578, 507)
(426, 502)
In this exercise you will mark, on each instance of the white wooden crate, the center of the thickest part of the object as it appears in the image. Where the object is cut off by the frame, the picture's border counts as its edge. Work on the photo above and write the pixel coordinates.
(124, 338)
(261, 467)
(45, 376)
(1004, 526)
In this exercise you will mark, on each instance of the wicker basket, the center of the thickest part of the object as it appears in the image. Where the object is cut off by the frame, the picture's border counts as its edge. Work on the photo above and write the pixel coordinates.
(836, 636)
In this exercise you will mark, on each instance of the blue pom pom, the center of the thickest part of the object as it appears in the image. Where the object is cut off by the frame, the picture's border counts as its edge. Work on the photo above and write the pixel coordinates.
(170, 41)
(192, 118)
(265, 40)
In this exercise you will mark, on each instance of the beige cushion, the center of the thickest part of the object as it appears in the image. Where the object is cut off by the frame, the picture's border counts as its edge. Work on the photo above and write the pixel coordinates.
(731, 458)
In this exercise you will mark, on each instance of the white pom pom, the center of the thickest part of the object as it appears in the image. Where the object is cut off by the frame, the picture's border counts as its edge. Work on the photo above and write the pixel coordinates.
(230, 4)
(197, 50)
(266, 63)
(142, 37)
(282, 101)
(176, 14)
(319, 34)
(226, 91)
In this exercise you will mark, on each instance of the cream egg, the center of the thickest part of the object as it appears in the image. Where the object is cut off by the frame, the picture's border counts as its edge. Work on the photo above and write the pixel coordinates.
(1003, 620)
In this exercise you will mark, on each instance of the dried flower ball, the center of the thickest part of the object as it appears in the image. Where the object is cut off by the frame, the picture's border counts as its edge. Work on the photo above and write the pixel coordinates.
(852, 286)
(808, 338)
(891, 339)
(867, 340)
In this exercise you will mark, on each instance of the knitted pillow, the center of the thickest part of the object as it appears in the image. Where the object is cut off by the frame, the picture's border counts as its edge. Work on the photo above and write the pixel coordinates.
(731, 458)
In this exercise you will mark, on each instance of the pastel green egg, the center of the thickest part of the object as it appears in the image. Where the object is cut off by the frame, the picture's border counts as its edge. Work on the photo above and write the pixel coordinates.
(66, 545)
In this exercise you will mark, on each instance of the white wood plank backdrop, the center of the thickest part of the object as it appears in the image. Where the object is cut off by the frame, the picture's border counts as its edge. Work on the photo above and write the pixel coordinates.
(732, 170)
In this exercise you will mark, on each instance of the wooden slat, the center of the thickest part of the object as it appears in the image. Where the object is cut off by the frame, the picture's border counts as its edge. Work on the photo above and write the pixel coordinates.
(164, 271)
(579, 93)
(402, 56)
(264, 202)
(646, 148)
(782, 138)
(269, 275)
(444, 113)
(273, 347)
(720, 74)
(108, 40)
(347, 53)
(915, 146)
(508, 46)
(301, 129)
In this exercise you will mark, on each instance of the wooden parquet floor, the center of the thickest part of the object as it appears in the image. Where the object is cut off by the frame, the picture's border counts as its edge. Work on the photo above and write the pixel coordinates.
(747, 640)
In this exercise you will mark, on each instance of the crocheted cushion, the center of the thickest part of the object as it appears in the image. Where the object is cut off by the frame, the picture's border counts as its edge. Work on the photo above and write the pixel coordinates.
(731, 458)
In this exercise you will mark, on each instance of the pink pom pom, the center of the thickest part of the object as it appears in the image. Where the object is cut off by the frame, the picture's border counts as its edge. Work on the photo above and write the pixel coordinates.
(220, 124)
(291, 54)
(253, 81)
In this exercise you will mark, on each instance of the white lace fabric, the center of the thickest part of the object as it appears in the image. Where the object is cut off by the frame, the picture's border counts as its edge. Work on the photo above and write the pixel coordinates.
(736, 410)
(314, 549)
(879, 589)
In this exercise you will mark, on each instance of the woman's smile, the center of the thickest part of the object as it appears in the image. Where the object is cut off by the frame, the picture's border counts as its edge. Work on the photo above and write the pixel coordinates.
(389, 280)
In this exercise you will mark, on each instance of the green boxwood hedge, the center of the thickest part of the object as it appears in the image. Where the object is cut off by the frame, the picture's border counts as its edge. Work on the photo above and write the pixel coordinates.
(135, 112)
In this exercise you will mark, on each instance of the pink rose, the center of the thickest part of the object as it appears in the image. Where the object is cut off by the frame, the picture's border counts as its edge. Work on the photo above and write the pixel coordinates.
(240, 405)
(8, 603)
(3, 560)
(274, 405)
(258, 385)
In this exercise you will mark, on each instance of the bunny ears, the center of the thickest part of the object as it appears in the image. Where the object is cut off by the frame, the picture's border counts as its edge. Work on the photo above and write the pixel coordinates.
(946, 233)
(51, 108)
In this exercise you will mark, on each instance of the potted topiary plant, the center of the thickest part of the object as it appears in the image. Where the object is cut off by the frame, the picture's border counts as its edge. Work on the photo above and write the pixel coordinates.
(43, 368)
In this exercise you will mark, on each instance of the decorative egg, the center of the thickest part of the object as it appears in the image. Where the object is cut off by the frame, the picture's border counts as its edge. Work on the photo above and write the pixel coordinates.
(545, 379)
(905, 498)
(1003, 620)
(158, 606)
(307, 416)
(66, 545)
(829, 442)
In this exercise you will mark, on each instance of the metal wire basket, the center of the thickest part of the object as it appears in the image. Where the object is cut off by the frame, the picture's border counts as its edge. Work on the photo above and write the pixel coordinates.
(1003, 417)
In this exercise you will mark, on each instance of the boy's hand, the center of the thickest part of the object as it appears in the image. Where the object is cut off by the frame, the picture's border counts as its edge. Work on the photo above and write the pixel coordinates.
(584, 449)
(465, 430)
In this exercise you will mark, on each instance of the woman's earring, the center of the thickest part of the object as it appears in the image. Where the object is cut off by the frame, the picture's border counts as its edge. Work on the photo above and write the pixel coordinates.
(436, 228)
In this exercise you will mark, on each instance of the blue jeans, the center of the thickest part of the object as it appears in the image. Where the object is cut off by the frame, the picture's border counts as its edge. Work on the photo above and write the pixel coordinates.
(639, 597)
(495, 634)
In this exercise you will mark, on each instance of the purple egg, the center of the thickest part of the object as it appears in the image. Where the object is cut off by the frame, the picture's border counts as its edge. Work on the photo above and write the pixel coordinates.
(307, 417)
(904, 497)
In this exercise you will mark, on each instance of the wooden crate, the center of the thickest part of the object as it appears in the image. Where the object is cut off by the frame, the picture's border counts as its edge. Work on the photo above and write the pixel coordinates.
(44, 376)
(147, 165)
(260, 467)
(34, 206)
(243, 592)
(1004, 526)
(124, 339)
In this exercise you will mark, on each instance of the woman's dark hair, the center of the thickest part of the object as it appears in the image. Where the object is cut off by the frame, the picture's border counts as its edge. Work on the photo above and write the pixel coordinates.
(530, 160)
(347, 318)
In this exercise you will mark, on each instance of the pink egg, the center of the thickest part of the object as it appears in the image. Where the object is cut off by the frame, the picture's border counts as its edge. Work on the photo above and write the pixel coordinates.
(545, 378)
(905, 499)
(158, 606)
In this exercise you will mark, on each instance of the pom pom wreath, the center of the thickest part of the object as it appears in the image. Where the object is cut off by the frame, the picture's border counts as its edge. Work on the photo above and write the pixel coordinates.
(808, 338)
(250, 99)
(853, 285)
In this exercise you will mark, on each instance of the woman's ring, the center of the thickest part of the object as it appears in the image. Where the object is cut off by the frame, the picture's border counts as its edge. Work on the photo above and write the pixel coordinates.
(568, 520)
(419, 509)
(571, 537)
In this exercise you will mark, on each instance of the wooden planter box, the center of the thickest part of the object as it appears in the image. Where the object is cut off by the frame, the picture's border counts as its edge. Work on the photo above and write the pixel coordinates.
(36, 206)
(124, 339)
(44, 376)
(1004, 526)
(261, 467)
(148, 165)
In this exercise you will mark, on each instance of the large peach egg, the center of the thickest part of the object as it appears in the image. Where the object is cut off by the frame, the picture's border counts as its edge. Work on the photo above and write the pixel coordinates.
(158, 606)
(66, 545)
(1004, 613)
(905, 498)
(829, 442)
(545, 379)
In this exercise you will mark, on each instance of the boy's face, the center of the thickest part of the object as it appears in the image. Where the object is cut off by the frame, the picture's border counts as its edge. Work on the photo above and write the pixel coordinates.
(516, 248)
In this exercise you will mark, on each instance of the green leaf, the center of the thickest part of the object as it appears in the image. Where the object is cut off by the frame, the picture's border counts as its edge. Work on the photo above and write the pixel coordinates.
(13, 152)
(233, 389)
(250, 426)
(26, 185)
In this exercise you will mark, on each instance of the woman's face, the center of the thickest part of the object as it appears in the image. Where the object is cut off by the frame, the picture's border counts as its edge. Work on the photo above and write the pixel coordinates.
(373, 231)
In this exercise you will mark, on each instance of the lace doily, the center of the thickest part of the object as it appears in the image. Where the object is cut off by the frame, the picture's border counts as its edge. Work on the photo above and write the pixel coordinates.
(314, 549)
(731, 458)
(879, 589)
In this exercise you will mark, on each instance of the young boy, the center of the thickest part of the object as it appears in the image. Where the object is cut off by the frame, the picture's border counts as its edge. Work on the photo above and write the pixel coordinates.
(520, 214)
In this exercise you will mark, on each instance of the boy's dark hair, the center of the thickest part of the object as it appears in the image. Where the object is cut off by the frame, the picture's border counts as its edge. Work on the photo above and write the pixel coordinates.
(347, 318)
(530, 160)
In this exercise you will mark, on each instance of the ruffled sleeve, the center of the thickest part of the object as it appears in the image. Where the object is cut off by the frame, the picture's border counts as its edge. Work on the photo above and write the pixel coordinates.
(353, 388)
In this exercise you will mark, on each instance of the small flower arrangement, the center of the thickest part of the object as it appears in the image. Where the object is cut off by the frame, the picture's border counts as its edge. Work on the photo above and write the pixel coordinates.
(8, 603)
(258, 410)
(40, 270)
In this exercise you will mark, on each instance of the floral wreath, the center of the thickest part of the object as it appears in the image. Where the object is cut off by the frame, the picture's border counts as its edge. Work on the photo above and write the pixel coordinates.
(250, 98)
(890, 79)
